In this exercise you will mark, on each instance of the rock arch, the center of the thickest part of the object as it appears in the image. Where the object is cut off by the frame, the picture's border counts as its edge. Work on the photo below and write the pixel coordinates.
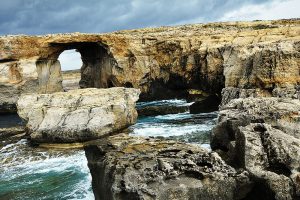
(96, 70)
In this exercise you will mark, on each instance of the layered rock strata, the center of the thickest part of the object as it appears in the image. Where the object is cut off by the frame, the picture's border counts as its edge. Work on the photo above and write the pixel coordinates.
(78, 115)
(125, 167)
(162, 62)
(262, 136)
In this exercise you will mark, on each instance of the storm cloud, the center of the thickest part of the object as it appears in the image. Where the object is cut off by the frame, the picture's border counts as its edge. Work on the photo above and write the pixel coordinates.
(96, 16)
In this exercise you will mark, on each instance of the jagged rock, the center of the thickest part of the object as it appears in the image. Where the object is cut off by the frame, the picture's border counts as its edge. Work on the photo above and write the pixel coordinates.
(230, 93)
(125, 167)
(162, 62)
(78, 115)
(271, 157)
(262, 135)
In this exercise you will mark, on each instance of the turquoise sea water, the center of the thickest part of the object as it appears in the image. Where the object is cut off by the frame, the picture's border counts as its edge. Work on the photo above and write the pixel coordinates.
(38, 173)
(192, 128)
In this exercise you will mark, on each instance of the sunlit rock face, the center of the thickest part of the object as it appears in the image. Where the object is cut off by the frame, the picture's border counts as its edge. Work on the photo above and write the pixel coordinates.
(78, 115)
(258, 58)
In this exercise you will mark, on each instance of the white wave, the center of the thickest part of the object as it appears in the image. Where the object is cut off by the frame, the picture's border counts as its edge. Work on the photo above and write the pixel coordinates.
(174, 102)
(19, 161)
(166, 130)
(185, 115)
(177, 116)
(206, 146)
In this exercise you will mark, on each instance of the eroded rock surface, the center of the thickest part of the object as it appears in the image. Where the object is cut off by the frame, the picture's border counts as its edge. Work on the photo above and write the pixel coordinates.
(262, 135)
(162, 62)
(125, 167)
(78, 115)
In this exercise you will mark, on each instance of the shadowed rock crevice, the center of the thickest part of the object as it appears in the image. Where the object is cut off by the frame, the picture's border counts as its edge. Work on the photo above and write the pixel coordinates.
(260, 191)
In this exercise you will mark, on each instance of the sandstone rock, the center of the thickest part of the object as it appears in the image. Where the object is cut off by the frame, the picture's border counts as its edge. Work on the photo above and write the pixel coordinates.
(162, 62)
(125, 167)
(78, 115)
(262, 136)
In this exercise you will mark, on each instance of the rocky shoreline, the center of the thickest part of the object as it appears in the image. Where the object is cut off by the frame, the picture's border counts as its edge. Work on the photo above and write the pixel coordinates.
(125, 167)
(257, 138)
(250, 69)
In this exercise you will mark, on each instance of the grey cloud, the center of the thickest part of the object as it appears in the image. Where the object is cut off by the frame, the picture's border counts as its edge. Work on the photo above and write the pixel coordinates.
(59, 16)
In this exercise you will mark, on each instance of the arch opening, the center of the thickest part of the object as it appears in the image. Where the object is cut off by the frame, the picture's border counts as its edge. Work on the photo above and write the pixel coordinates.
(71, 63)
(95, 67)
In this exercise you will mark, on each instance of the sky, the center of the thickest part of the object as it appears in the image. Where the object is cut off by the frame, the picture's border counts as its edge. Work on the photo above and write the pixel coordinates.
(35, 17)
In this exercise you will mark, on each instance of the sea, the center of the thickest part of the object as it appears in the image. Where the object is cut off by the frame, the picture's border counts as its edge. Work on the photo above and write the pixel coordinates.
(32, 172)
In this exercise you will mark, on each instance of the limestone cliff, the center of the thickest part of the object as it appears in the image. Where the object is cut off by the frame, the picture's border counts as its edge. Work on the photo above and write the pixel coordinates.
(259, 58)
(262, 135)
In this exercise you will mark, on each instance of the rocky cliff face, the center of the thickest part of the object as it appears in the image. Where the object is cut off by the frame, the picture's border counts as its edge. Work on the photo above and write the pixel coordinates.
(258, 58)
(262, 136)
(126, 167)
(78, 115)
(257, 63)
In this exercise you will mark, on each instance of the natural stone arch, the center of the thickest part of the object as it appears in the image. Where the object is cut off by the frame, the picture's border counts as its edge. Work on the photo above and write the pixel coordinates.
(96, 70)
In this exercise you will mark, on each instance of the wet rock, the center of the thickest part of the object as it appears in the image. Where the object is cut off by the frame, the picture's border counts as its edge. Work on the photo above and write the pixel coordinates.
(125, 167)
(161, 110)
(78, 115)
(208, 104)
(262, 136)
(8, 132)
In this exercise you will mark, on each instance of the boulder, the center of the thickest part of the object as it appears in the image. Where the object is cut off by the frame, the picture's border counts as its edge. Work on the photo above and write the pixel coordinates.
(78, 115)
(125, 167)
(262, 136)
